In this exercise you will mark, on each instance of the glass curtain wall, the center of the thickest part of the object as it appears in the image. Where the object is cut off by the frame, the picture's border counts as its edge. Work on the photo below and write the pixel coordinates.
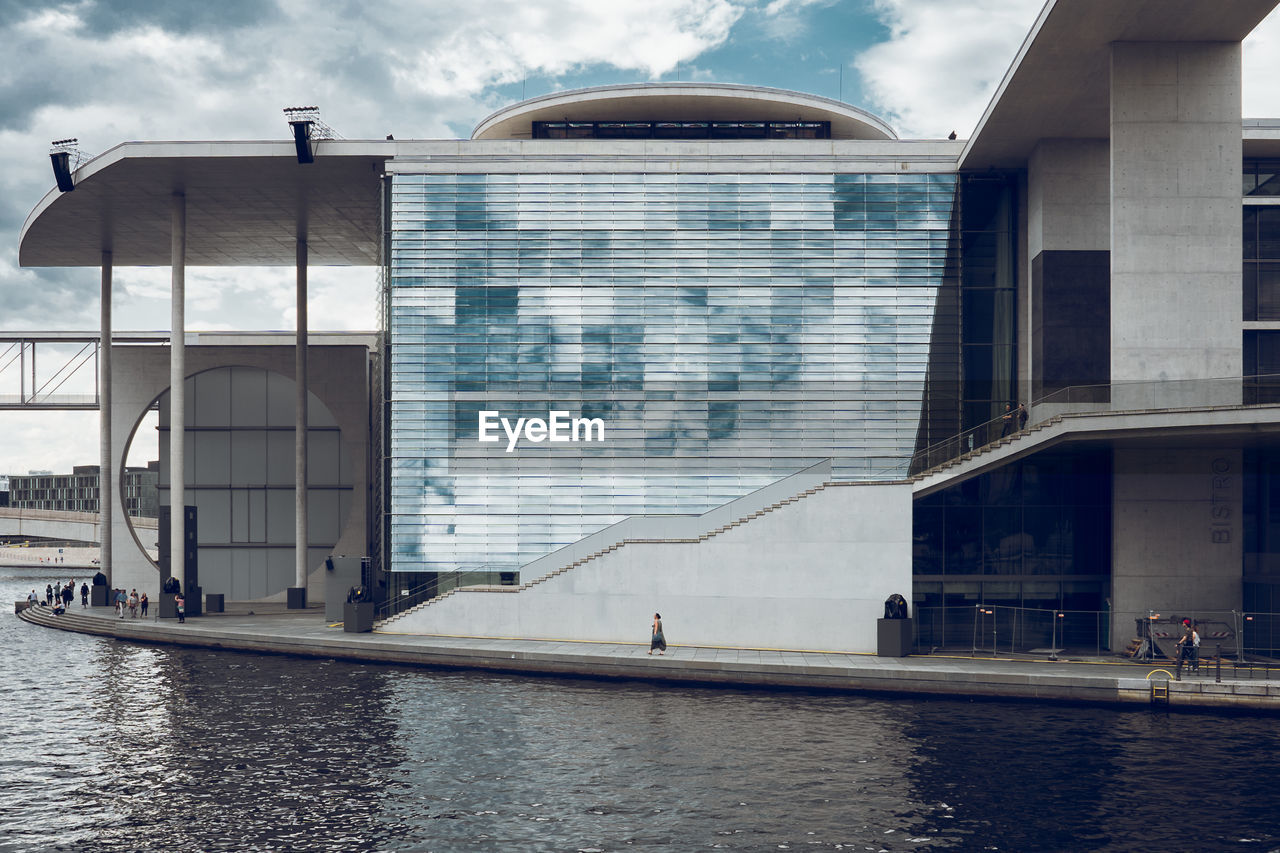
(972, 367)
(1035, 534)
(1261, 574)
(726, 330)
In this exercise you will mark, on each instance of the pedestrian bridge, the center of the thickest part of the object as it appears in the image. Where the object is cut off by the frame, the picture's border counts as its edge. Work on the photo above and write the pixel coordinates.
(58, 524)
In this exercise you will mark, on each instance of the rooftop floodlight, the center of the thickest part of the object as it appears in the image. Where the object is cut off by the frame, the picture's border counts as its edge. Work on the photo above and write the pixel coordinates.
(307, 129)
(66, 157)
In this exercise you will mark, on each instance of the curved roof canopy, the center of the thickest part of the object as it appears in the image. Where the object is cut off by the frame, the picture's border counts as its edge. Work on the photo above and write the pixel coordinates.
(682, 102)
(246, 204)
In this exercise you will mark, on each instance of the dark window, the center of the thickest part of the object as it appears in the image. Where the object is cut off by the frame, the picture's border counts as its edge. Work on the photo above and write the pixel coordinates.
(1039, 525)
(681, 130)
(1262, 177)
(1268, 233)
(1262, 366)
(1262, 291)
(624, 130)
(800, 130)
(739, 130)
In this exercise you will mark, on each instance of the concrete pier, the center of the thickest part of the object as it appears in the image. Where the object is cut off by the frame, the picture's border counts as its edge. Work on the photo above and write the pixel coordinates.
(272, 629)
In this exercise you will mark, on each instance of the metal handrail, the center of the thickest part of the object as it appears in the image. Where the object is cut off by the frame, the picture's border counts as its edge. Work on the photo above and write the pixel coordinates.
(1102, 397)
(441, 584)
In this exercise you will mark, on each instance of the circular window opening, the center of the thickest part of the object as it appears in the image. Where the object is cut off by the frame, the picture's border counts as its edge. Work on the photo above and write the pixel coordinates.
(239, 476)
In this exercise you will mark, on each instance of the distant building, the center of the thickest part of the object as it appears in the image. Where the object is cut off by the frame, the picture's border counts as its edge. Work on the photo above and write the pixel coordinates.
(78, 491)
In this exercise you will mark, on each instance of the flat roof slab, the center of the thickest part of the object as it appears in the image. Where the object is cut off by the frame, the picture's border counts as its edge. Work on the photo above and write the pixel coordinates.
(1059, 84)
(246, 204)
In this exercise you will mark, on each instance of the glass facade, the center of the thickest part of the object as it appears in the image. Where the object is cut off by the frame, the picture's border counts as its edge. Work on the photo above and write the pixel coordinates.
(1262, 262)
(1261, 177)
(1261, 571)
(972, 366)
(1035, 533)
(727, 330)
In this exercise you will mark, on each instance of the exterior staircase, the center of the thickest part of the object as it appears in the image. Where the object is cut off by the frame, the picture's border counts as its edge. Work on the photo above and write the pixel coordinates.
(738, 522)
(74, 619)
(986, 449)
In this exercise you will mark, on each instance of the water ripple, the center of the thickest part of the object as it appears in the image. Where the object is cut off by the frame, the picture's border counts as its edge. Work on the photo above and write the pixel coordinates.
(111, 747)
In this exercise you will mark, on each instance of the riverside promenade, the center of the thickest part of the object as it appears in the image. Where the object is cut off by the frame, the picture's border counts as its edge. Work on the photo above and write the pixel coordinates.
(271, 629)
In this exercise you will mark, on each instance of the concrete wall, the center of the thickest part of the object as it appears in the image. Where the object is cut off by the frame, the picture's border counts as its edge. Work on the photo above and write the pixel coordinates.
(49, 524)
(1175, 212)
(1069, 196)
(1177, 532)
(1067, 335)
(338, 377)
(809, 575)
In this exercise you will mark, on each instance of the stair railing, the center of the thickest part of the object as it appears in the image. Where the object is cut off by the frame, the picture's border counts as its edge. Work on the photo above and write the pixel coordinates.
(473, 574)
(1154, 395)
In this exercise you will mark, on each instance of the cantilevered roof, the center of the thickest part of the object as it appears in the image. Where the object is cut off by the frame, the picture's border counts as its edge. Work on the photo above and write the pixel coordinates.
(682, 102)
(244, 203)
(1059, 85)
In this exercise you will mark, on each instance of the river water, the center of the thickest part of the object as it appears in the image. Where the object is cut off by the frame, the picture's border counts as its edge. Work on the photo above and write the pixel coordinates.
(109, 746)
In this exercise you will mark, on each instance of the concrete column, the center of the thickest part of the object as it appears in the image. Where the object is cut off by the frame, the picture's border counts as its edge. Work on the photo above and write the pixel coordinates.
(177, 388)
(106, 479)
(1175, 221)
(1177, 533)
(300, 426)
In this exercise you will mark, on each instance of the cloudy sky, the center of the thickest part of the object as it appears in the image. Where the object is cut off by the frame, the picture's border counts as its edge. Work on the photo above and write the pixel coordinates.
(108, 71)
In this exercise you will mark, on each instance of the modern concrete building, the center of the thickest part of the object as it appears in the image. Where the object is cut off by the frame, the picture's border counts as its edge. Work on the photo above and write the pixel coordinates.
(744, 356)
(78, 491)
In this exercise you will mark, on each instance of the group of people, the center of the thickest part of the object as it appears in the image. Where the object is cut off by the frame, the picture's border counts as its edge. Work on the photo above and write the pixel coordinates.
(59, 596)
(132, 601)
(1013, 420)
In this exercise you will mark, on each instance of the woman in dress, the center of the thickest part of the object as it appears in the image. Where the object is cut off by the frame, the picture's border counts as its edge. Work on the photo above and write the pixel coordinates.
(658, 641)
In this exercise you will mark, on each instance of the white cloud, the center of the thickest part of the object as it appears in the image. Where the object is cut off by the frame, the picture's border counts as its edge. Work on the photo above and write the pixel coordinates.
(47, 441)
(500, 41)
(942, 61)
(167, 71)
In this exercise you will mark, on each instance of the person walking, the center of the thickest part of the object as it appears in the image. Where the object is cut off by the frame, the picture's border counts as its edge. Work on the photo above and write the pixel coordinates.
(1006, 421)
(1022, 416)
(133, 604)
(658, 640)
(1188, 646)
(181, 604)
(121, 601)
(84, 595)
(143, 602)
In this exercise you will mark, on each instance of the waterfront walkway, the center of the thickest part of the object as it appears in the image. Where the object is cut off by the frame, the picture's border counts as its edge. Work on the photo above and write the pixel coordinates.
(274, 630)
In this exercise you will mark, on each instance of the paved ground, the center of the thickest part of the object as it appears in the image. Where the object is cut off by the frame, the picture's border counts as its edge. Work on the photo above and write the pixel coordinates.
(273, 629)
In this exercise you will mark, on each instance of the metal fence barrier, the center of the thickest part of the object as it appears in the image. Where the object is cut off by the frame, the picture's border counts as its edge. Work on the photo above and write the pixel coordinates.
(997, 629)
